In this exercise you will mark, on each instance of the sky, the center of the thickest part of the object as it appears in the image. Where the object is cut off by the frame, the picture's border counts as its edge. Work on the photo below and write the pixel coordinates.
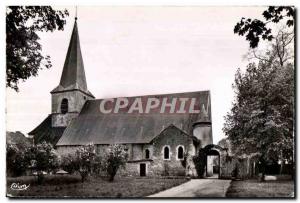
(133, 51)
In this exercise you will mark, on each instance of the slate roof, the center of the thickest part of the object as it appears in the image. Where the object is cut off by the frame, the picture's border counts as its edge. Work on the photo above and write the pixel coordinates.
(92, 126)
(45, 132)
(73, 75)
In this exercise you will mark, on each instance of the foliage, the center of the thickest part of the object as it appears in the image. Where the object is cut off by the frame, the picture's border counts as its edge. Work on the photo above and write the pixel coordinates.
(200, 161)
(255, 29)
(114, 158)
(85, 157)
(16, 162)
(69, 163)
(23, 51)
(261, 120)
(43, 158)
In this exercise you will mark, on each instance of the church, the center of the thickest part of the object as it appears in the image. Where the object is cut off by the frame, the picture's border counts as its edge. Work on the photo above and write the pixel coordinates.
(157, 143)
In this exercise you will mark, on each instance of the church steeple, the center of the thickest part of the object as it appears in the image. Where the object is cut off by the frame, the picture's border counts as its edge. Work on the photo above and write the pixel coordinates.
(73, 75)
(70, 95)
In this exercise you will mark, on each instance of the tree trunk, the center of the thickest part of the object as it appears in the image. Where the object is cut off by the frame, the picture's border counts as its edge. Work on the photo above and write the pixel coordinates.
(111, 178)
(281, 167)
(263, 165)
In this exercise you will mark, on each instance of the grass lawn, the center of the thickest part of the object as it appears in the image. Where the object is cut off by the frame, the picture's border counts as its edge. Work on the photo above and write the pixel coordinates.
(254, 188)
(71, 186)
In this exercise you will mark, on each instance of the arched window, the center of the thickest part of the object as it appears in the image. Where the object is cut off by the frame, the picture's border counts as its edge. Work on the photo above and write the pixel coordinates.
(180, 152)
(64, 107)
(147, 154)
(166, 152)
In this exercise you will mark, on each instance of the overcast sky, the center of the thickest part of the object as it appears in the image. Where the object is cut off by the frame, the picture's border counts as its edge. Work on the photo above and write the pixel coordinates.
(132, 51)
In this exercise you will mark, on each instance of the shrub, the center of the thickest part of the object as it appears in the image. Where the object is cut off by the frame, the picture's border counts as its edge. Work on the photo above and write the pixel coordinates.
(114, 158)
(16, 163)
(200, 162)
(69, 163)
(43, 158)
(85, 157)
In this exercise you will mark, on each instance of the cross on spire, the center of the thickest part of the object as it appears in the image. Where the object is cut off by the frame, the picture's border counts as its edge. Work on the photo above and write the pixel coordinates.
(76, 13)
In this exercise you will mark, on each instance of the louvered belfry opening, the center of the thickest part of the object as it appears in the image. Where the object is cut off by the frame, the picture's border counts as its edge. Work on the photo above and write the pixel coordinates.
(64, 107)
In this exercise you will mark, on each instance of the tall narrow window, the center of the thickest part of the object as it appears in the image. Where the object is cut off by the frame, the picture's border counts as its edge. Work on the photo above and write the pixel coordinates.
(166, 152)
(180, 152)
(147, 154)
(64, 106)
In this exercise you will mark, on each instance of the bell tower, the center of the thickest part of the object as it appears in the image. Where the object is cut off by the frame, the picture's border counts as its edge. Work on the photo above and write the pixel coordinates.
(70, 95)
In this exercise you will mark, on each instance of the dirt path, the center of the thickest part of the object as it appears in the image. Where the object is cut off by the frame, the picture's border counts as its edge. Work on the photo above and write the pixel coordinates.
(197, 188)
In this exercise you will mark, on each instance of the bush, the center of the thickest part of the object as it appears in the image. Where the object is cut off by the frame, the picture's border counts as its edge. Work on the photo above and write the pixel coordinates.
(16, 162)
(114, 158)
(85, 158)
(69, 163)
(200, 162)
(43, 158)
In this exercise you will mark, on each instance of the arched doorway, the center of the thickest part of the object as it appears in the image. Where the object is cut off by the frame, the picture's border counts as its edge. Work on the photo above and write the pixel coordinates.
(213, 160)
(213, 164)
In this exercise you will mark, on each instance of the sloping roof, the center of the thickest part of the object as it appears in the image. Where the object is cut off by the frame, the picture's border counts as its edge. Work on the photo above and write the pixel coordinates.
(92, 126)
(73, 75)
(175, 127)
(45, 132)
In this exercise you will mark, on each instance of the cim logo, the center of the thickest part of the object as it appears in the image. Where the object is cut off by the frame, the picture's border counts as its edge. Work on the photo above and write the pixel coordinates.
(145, 105)
(18, 186)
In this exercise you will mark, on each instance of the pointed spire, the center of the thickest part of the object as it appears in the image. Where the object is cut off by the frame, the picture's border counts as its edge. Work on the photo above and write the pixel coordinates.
(203, 117)
(73, 75)
(73, 72)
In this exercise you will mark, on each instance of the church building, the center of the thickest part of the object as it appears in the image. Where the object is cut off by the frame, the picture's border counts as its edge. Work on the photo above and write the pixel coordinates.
(157, 143)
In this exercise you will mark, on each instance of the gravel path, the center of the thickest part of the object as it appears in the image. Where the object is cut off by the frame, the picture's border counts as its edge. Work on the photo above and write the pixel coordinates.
(197, 188)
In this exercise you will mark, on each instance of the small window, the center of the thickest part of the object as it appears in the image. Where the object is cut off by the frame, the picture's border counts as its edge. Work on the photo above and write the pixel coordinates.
(180, 152)
(64, 106)
(166, 152)
(147, 154)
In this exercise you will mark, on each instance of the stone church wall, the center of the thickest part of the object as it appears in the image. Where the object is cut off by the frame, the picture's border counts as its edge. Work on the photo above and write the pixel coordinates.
(156, 165)
(172, 137)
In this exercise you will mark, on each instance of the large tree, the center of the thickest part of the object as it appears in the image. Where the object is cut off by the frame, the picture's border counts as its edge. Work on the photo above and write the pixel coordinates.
(261, 121)
(23, 50)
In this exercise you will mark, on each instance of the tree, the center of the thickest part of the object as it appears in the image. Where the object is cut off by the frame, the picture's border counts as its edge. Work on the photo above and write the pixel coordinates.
(255, 29)
(261, 121)
(43, 158)
(16, 163)
(23, 51)
(69, 163)
(280, 52)
(114, 158)
(200, 161)
(85, 157)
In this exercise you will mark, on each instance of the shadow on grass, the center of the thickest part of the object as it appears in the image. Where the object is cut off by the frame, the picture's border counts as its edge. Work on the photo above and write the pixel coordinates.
(256, 189)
